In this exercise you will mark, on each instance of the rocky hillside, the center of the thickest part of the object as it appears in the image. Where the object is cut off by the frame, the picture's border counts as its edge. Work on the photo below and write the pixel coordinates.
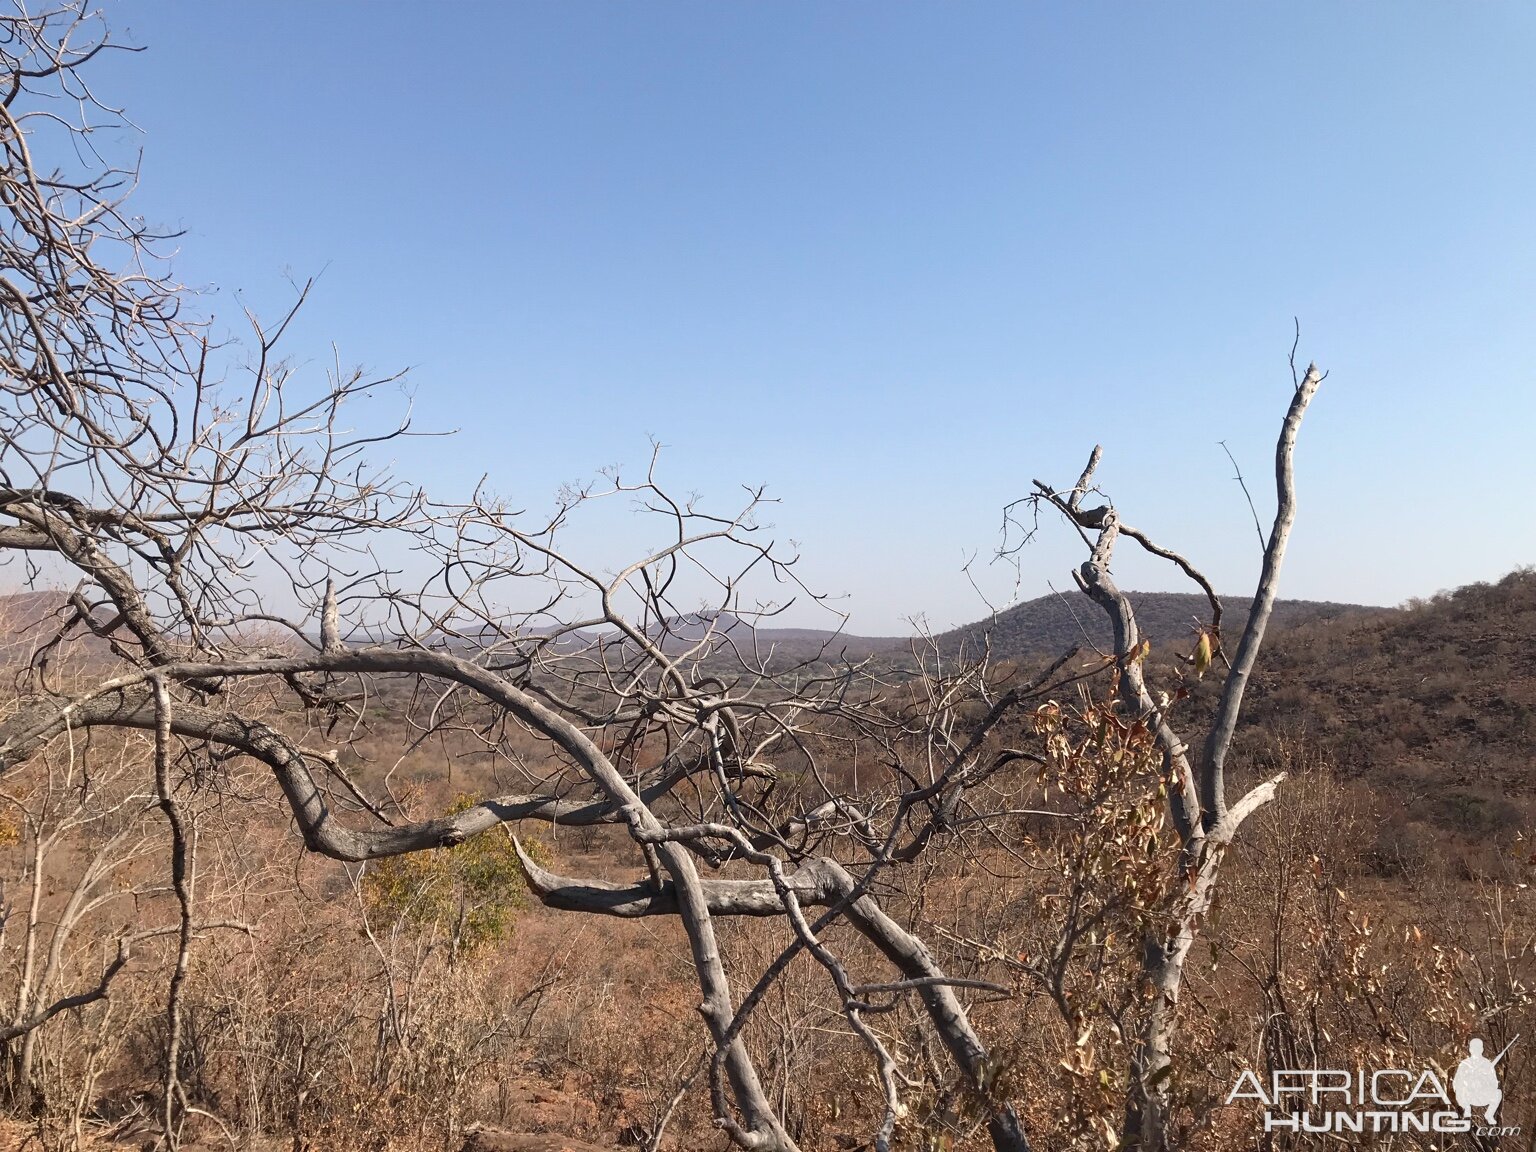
(1433, 706)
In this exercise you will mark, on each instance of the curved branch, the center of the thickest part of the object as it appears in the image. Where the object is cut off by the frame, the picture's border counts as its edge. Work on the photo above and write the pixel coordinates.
(134, 708)
(1184, 796)
(1213, 788)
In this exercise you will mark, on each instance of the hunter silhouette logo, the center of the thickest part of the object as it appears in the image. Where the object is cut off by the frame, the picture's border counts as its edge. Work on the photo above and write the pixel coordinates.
(1476, 1082)
(1337, 1100)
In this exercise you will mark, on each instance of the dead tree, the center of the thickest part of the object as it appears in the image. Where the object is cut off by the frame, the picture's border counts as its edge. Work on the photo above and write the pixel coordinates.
(1202, 813)
(209, 514)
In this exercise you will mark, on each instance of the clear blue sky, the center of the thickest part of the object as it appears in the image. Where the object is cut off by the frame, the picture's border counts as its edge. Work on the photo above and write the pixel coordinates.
(895, 260)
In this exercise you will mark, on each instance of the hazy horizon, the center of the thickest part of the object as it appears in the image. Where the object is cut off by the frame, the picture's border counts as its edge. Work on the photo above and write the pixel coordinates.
(895, 263)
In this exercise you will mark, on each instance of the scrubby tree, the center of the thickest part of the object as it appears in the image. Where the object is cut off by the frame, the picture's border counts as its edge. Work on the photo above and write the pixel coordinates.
(1204, 816)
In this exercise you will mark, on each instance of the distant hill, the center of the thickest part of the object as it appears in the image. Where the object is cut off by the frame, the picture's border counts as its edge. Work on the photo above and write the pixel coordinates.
(23, 611)
(27, 619)
(781, 645)
(1042, 628)
(1428, 710)
(1051, 625)
(729, 636)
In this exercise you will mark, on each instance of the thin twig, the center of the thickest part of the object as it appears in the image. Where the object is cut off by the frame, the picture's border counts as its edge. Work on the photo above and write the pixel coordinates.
(1257, 527)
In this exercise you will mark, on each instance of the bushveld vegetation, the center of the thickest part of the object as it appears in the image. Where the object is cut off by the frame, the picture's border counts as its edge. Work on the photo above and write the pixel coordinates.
(301, 853)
